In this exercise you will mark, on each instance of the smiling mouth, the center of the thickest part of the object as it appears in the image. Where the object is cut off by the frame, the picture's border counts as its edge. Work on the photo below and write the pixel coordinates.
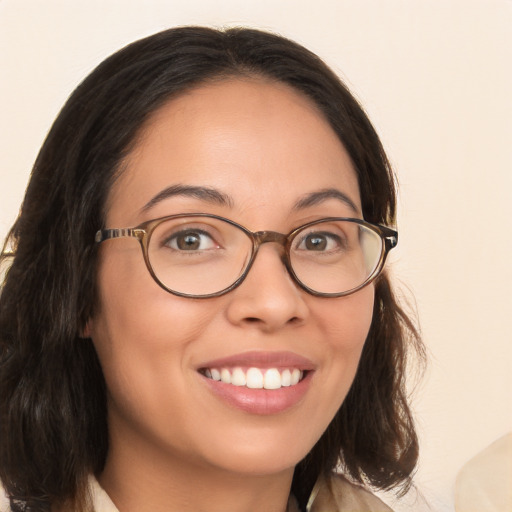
(255, 378)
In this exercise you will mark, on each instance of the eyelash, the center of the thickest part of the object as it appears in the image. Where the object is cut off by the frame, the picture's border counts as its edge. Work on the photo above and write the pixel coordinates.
(199, 233)
(338, 240)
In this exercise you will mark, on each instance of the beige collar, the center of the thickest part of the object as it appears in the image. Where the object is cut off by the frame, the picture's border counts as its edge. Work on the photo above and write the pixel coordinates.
(102, 502)
(328, 495)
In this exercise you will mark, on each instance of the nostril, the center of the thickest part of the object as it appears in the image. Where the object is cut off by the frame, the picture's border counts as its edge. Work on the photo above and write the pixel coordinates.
(266, 323)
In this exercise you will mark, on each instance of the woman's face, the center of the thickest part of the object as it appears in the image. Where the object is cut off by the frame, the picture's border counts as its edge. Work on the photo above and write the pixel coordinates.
(263, 148)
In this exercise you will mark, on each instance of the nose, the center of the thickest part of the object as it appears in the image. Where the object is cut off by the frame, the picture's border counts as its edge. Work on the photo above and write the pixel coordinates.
(268, 298)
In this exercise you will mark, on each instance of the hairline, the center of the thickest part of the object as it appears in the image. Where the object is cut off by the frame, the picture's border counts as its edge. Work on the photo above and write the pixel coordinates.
(226, 76)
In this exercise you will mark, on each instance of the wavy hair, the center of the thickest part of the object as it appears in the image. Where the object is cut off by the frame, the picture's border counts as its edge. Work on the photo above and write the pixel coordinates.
(53, 427)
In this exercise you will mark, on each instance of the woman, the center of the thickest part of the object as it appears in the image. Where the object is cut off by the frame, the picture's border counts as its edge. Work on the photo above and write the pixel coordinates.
(194, 315)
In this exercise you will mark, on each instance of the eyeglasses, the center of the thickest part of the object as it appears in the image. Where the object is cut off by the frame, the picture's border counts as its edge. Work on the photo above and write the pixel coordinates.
(204, 255)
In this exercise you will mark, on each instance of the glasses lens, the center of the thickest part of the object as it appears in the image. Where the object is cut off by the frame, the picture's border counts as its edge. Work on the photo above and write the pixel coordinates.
(335, 256)
(198, 255)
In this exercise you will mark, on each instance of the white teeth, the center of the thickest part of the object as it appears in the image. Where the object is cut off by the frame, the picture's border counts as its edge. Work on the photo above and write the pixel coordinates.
(286, 378)
(238, 377)
(225, 376)
(272, 379)
(255, 378)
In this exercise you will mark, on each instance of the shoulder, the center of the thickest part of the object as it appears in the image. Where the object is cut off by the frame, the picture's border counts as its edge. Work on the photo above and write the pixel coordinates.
(483, 483)
(4, 502)
(100, 500)
(337, 494)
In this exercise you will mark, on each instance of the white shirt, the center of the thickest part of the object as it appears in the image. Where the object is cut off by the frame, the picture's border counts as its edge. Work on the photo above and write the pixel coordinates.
(336, 494)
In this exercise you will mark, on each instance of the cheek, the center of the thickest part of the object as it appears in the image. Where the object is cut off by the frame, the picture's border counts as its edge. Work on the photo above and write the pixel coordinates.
(132, 307)
(345, 325)
(347, 320)
(141, 332)
(145, 339)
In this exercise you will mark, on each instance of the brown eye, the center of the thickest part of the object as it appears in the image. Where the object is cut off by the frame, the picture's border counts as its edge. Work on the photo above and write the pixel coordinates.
(315, 243)
(191, 240)
(319, 242)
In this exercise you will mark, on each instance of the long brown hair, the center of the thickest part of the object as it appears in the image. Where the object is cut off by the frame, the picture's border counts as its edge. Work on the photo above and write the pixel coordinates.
(53, 428)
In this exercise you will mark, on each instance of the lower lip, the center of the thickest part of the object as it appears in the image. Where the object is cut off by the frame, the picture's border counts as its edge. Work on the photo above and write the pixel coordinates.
(260, 401)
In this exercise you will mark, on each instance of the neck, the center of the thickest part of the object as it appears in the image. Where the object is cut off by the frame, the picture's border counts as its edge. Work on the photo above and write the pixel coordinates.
(156, 483)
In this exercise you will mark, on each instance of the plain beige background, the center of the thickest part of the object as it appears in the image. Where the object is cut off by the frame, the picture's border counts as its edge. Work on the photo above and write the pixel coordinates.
(435, 78)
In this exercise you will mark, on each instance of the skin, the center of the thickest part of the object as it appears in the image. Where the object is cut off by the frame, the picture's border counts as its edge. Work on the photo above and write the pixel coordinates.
(174, 444)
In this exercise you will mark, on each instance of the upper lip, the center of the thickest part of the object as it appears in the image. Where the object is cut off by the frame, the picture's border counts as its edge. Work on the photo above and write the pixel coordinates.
(259, 359)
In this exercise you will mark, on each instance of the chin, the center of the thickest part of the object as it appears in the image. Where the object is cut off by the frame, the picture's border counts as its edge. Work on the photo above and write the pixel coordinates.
(262, 454)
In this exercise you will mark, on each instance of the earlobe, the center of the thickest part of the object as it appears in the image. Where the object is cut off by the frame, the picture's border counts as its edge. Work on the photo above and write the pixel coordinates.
(86, 331)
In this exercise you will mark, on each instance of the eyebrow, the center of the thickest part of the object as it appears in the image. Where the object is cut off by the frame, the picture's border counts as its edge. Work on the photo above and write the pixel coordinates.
(315, 198)
(214, 196)
(207, 194)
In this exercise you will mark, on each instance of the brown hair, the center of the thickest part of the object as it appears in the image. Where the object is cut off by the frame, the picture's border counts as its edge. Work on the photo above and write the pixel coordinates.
(53, 428)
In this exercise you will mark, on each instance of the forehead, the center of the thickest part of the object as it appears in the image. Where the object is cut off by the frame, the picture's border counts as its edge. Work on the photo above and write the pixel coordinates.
(255, 140)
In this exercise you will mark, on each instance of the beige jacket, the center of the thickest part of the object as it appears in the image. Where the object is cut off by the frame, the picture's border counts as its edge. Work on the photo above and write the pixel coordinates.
(485, 482)
(334, 495)
(337, 494)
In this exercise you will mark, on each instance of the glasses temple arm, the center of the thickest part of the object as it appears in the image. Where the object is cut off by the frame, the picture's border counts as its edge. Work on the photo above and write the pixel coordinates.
(106, 234)
(390, 237)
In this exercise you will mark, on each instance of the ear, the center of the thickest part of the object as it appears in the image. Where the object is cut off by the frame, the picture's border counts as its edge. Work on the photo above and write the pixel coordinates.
(86, 331)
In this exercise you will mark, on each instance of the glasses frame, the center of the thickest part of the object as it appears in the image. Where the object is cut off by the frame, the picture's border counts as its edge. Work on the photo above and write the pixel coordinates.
(144, 231)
